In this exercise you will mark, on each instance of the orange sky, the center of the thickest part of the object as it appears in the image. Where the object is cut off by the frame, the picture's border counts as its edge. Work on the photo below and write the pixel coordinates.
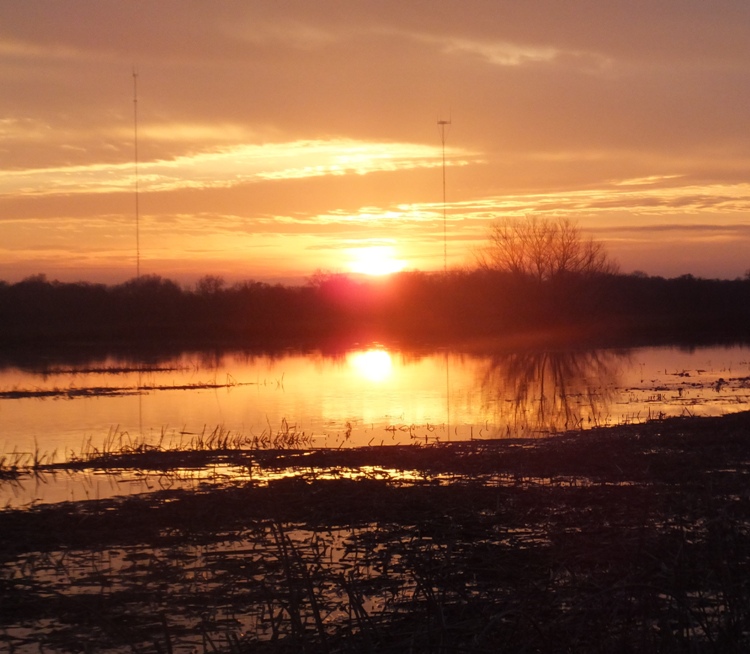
(279, 138)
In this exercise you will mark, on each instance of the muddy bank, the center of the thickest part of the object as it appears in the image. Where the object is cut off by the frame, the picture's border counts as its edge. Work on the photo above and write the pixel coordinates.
(635, 538)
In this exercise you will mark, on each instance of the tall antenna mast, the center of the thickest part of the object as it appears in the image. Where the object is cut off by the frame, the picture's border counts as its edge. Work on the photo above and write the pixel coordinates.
(442, 124)
(137, 208)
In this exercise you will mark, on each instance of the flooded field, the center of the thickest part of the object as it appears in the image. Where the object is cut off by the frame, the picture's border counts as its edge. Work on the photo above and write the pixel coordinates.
(377, 500)
(53, 412)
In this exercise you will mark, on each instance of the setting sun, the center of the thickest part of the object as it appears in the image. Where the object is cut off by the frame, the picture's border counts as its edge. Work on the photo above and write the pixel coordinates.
(375, 260)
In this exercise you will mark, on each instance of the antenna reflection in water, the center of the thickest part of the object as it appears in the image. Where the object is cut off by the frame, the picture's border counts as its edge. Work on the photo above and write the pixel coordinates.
(390, 395)
(543, 392)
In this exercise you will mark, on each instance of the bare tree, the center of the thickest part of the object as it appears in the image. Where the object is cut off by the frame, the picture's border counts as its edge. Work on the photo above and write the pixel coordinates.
(543, 249)
(209, 285)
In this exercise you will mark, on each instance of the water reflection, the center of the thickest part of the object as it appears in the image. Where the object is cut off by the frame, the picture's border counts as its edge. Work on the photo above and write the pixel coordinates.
(550, 391)
(369, 396)
(365, 396)
(374, 365)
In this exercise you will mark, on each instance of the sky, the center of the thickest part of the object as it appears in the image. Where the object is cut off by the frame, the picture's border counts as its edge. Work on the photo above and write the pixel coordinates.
(273, 140)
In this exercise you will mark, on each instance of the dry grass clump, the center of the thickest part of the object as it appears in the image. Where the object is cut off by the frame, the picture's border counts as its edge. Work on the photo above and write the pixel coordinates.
(635, 539)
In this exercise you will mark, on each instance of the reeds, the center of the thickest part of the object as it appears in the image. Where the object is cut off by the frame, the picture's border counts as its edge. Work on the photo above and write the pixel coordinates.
(173, 455)
(650, 554)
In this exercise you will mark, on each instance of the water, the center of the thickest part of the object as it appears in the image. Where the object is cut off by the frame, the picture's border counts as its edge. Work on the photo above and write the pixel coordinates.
(369, 396)
(365, 396)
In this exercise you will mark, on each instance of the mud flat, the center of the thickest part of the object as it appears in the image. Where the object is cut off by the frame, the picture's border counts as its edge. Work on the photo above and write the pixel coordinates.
(631, 538)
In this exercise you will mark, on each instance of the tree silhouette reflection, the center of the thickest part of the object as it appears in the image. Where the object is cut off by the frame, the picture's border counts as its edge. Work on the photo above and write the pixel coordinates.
(545, 392)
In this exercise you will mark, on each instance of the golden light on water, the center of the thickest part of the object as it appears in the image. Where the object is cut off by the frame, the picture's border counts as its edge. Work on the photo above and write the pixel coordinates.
(374, 365)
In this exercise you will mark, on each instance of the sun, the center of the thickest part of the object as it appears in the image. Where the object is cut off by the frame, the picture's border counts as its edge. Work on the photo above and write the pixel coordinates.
(375, 260)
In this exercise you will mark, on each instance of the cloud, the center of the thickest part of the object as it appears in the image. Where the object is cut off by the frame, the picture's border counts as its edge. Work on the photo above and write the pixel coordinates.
(741, 230)
(653, 200)
(644, 181)
(228, 166)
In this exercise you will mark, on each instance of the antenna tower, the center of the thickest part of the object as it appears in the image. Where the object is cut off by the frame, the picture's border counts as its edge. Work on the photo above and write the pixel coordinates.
(137, 208)
(442, 124)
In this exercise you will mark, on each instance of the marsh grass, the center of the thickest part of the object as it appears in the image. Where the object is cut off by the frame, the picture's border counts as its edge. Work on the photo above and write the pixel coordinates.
(120, 449)
(633, 539)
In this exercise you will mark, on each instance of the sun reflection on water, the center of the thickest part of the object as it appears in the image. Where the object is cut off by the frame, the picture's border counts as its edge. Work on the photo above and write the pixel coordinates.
(375, 365)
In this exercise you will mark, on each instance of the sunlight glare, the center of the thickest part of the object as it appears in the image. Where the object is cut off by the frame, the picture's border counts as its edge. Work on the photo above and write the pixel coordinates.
(373, 365)
(375, 260)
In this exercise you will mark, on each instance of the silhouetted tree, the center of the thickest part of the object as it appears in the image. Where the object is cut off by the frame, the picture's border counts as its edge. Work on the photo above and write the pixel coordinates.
(543, 249)
(210, 285)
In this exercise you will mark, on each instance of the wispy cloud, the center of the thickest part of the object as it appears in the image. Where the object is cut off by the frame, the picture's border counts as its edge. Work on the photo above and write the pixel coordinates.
(648, 198)
(644, 181)
(14, 48)
(504, 53)
(227, 167)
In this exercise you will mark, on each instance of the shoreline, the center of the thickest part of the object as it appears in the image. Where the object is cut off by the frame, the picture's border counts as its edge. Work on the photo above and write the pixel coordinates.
(635, 536)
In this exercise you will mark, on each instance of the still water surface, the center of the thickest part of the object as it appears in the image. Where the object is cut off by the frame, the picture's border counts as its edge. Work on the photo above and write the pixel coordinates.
(368, 396)
(373, 395)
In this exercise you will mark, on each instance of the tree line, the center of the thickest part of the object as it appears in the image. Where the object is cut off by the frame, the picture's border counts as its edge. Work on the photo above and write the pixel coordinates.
(411, 305)
(536, 277)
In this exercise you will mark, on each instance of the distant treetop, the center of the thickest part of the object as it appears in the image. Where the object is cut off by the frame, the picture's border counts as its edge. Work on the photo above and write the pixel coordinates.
(543, 249)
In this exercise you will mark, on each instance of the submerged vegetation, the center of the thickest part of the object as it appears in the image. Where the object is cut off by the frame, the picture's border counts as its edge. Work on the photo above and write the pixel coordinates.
(625, 539)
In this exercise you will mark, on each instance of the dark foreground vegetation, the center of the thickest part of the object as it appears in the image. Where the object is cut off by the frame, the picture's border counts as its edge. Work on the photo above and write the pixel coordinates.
(462, 304)
(628, 539)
